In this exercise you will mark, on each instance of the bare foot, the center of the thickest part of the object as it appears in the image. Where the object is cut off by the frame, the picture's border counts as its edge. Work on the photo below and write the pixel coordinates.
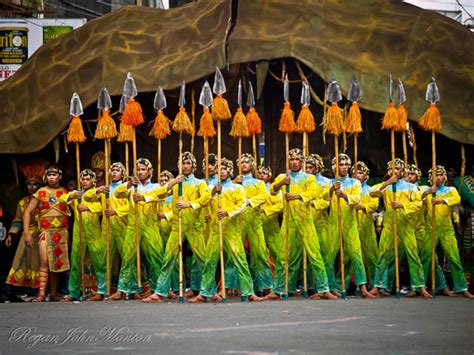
(411, 293)
(425, 294)
(38, 299)
(375, 292)
(67, 299)
(137, 297)
(327, 295)
(335, 293)
(198, 299)
(229, 293)
(217, 298)
(172, 295)
(316, 296)
(237, 293)
(447, 292)
(154, 298)
(364, 293)
(95, 298)
(384, 293)
(55, 298)
(117, 296)
(467, 294)
(145, 294)
(271, 296)
(189, 294)
(255, 298)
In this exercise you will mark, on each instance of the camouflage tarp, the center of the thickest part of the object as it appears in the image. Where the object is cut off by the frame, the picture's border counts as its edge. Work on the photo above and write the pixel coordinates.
(367, 38)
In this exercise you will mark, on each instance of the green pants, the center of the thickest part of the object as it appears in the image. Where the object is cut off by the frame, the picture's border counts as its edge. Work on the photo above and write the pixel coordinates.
(235, 251)
(151, 251)
(368, 241)
(444, 234)
(259, 264)
(193, 231)
(352, 250)
(407, 241)
(165, 231)
(271, 231)
(96, 246)
(301, 233)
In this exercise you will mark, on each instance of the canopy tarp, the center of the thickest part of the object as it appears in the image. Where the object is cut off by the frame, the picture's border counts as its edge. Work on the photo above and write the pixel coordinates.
(369, 39)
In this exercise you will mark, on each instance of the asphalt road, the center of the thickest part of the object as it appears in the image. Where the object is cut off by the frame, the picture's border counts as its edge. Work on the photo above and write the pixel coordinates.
(442, 325)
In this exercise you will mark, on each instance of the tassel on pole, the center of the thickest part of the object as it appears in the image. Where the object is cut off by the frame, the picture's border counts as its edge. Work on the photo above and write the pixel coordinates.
(161, 127)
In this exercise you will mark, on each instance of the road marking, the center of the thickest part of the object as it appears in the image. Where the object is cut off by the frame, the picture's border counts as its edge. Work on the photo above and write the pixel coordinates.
(268, 325)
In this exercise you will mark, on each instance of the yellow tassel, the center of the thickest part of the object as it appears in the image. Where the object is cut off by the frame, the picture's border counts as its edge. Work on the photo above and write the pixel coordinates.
(161, 127)
(390, 119)
(353, 120)
(133, 114)
(106, 127)
(220, 109)
(402, 118)
(287, 120)
(182, 122)
(75, 132)
(239, 125)
(254, 122)
(126, 133)
(431, 119)
(333, 121)
(305, 122)
(206, 125)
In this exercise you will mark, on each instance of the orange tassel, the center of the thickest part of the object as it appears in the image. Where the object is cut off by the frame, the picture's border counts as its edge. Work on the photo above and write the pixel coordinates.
(133, 114)
(305, 122)
(390, 119)
(402, 118)
(106, 127)
(333, 121)
(287, 120)
(431, 119)
(353, 120)
(75, 132)
(220, 109)
(182, 122)
(206, 125)
(126, 133)
(239, 125)
(161, 127)
(254, 122)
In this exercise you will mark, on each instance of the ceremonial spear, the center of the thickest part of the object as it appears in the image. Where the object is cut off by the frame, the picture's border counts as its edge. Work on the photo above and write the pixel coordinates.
(133, 117)
(431, 121)
(220, 112)
(287, 125)
(75, 134)
(206, 131)
(352, 125)
(239, 126)
(305, 125)
(181, 123)
(391, 122)
(254, 122)
(106, 129)
(334, 124)
(161, 127)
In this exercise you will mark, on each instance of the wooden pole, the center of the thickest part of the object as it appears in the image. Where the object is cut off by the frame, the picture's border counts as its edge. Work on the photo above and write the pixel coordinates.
(221, 242)
(463, 160)
(356, 148)
(240, 154)
(81, 228)
(433, 217)
(395, 237)
(255, 152)
(405, 150)
(339, 221)
(305, 257)
(287, 214)
(180, 231)
(107, 206)
(159, 159)
(127, 163)
(137, 206)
